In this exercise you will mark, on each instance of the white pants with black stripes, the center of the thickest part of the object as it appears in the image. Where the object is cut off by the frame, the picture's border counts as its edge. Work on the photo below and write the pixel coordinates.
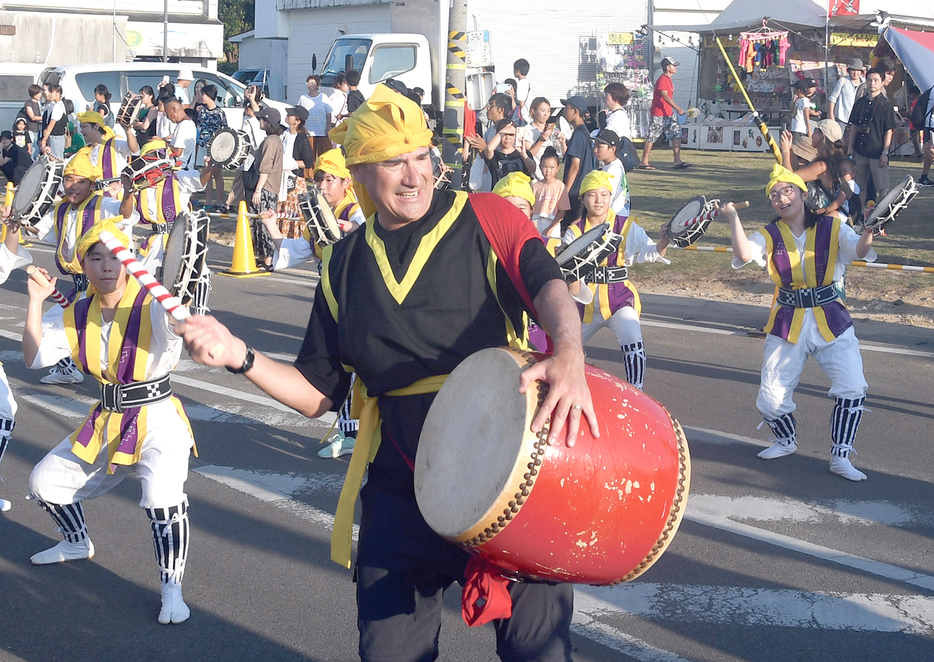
(625, 325)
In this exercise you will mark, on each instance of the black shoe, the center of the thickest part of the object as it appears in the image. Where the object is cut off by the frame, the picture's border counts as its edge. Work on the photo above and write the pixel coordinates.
(925, 182)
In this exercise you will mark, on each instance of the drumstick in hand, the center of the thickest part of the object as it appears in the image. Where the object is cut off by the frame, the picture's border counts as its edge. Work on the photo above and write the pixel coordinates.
(172, 304)
(40, 278)
(712, 213)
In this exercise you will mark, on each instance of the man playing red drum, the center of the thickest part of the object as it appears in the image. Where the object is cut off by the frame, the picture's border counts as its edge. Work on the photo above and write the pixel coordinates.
(422, 286)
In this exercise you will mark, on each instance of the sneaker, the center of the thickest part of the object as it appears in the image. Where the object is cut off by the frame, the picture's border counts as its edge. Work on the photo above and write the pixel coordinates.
(780, 448)
(68, 375)
(65, 551)
(843, 467)
(337, 445)
(174, 609)
(925, 182)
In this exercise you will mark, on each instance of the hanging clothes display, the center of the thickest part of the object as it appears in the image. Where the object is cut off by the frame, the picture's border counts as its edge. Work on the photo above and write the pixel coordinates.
(761, 48)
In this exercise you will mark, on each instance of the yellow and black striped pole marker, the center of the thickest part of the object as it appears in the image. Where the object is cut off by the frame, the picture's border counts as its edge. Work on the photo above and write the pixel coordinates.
(762, 127)
(452, 149)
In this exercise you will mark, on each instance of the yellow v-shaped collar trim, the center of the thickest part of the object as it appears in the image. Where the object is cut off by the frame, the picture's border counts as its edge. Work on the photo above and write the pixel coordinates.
(401, 289)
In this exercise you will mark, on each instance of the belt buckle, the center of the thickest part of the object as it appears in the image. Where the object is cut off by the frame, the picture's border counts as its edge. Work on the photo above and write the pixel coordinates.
(112, 397)
(806, 298)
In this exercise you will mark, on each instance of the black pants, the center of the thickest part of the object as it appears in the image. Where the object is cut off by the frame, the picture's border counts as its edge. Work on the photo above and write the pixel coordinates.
(402, 572)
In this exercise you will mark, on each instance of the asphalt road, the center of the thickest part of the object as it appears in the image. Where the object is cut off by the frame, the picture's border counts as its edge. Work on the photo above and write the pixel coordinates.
(775, 560)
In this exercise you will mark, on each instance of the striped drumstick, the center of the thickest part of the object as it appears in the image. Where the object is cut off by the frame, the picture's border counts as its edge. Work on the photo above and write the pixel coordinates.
(38, 276)
(172, 304)
(712, 213)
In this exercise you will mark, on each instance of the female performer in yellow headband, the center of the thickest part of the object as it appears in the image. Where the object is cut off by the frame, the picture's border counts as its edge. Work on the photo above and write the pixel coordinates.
(121, 336)
(616, 301)
(806, 256)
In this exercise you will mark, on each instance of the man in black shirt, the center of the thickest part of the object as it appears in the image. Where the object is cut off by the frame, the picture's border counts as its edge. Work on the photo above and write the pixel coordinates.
(578, 157)
(403, 301)
(871, 127)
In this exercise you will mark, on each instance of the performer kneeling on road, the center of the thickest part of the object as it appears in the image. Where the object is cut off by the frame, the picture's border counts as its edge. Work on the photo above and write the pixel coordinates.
(403, 301)
(123, 337)
(616, 302)
(805, 255)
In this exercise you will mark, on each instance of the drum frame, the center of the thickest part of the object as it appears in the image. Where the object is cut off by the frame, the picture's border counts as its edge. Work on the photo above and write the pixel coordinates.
(194, 227)
(320, 221)
(150, 169)
(240, 152)
(690, 235)
(891, 204)
(597, 244)
(43, 199)
(137, 104)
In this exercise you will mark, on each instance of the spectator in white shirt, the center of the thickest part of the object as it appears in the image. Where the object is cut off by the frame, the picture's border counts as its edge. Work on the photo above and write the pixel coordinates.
(338, 101)
(615, 96)
(520, 69)
(605, 145)
(185, 77)
(319, 115)
(844, 94)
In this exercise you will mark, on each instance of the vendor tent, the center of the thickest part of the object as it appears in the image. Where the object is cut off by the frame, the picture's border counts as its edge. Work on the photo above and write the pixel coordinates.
(749, 14)
(916, 51)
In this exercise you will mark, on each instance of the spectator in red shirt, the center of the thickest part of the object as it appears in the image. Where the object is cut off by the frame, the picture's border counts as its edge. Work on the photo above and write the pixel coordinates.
(663, 117)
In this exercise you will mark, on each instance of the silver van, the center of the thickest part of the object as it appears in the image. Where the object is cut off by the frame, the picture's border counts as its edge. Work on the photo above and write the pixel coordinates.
(15, 79)
(79, 80)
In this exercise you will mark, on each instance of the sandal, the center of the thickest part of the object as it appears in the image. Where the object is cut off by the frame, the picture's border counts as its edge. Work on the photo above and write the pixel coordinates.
(646, 167)
(682, 166)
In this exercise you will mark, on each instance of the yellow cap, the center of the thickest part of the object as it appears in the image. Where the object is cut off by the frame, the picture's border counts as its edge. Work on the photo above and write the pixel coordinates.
(782, 174)
(596, 179)
(80, 166)
(153, 145)
(387, 125)
(93, 236)
(332, 162)
(515, 185)
(93, 117)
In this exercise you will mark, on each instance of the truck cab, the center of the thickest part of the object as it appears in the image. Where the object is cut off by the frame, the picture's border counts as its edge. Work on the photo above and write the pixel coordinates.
(404, 57)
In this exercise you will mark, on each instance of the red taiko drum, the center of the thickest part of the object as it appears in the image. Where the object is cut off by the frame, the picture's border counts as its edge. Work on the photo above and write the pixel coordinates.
(600, 512)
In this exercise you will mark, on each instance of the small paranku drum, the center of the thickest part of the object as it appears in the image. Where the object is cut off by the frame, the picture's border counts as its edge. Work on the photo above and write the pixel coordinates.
(319, 218)
(890, 205)
(36, 193)
(130, 109)
(184, 255)
(585, 253)
(682, 230)
(600, 512)
(150, 169)
(228, 148)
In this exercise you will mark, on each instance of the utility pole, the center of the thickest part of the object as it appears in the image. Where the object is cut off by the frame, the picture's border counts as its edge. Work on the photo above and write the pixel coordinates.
(452, 149)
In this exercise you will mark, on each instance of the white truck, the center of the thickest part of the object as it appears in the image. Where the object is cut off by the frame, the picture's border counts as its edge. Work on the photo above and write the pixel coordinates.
(414, 53)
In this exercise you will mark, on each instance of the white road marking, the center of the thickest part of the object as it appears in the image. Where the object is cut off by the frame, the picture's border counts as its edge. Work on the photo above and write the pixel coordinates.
(755, 607)
(606, 635)
(278, 490)
(858, 513)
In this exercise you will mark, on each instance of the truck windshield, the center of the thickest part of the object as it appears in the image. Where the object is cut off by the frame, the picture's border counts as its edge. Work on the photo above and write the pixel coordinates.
(337, 58)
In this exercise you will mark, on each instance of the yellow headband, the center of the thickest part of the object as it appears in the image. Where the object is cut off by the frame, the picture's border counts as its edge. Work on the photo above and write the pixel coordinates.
(387, 125)
(596, 179)
(332, 162)
(153, 145)
(782, 174)
(80, 166)
(93, 236)
(92, 117)
(516, 185)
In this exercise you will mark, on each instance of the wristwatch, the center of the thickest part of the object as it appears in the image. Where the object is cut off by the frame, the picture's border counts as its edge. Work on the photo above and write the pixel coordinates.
(247, 362)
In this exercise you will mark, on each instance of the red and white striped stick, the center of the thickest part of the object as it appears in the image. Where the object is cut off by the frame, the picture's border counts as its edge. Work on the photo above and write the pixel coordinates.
(37, 276)
(173, 305)
(711, 214)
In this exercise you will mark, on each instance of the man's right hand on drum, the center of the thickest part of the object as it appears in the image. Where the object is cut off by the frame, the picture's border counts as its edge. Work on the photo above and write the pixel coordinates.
(568, 396)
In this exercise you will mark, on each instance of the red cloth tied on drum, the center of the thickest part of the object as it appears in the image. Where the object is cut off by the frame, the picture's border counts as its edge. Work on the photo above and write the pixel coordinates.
(486, 596)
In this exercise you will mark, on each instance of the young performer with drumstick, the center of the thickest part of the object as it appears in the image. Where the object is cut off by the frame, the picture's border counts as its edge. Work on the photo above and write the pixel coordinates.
(79, 209)
(806, 254)
(123, 337)
(421, 300)
(616, 301)
(106, 151)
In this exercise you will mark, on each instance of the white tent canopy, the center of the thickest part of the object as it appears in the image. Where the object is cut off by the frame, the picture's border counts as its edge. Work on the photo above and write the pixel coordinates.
(748, 14)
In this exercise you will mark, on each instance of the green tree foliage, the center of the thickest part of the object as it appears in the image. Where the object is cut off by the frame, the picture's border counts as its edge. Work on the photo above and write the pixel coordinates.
(237, 17)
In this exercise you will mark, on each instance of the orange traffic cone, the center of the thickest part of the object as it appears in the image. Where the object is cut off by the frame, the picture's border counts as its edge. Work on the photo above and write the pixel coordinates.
(244, 262)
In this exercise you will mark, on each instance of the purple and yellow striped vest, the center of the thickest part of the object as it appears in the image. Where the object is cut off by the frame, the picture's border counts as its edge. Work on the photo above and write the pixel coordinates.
(786, 270)
(613, 296)
(89, 213)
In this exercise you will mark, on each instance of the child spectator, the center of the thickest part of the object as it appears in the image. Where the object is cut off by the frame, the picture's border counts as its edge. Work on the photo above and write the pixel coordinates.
(354, 96)
(551, 197)
(520, 69)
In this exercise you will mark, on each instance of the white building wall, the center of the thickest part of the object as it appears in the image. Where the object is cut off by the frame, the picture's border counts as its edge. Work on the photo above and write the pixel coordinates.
(547, 34)
(311, 32)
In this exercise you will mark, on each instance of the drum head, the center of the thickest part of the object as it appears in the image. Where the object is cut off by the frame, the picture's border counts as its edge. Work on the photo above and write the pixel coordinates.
(678, 225)
(30, 186)
(222, 147)
(477, 427)
(883, 208)
(582, 243)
